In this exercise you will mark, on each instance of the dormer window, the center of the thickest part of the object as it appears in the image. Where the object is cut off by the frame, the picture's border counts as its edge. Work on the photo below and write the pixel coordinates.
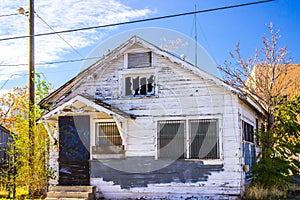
(139, 60)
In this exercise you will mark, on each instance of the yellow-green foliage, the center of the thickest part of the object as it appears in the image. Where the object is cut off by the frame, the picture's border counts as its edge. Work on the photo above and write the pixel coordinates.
(27, 167)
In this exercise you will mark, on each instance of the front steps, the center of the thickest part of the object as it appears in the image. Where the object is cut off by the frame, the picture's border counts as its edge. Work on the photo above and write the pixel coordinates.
(71, 192)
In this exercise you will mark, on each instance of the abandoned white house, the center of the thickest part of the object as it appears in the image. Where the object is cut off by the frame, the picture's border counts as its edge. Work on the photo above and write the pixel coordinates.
(144, 123)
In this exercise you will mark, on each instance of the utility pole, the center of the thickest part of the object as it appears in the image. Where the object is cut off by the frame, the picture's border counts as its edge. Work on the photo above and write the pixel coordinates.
(31, 52)
(31, 83)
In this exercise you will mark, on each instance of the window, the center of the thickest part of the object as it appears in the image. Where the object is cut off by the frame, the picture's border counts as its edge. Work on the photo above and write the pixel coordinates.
(204, 139)
(171, 141)
(249, 150)
(140, 85)
(247, 132)
(107, 133)
(198, 141)
(139, 60)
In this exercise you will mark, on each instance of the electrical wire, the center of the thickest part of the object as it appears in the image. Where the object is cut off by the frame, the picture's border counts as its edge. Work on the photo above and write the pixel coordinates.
(50, 63)
(77, 52)
(138, 21)
(7, 15)
(109, 25)
(9, 79)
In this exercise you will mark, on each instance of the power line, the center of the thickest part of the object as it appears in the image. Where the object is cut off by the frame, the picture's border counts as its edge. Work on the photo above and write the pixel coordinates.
(7, 15)
(60, 36)
(141, 20)
(9, 79)
(50, 63)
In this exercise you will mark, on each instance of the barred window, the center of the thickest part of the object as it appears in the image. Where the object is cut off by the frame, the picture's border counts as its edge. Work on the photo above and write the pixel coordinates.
(201, 140)
(204, 139)
(107, 133)
(171, 142)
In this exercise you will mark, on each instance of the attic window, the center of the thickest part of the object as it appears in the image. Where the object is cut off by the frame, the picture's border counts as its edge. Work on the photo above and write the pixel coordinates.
(139, 60)
(141, 85)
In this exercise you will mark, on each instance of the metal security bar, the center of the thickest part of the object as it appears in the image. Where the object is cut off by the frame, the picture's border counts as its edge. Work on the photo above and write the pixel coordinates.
(171, 139)
(204, 140)
(107, 133)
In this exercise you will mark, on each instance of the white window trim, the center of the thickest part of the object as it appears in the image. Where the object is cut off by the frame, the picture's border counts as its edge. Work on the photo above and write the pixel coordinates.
(250, 122)
(186, 133)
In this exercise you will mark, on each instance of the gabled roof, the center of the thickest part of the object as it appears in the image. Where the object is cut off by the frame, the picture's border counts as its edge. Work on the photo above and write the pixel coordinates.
(67, 88)
(89, 102)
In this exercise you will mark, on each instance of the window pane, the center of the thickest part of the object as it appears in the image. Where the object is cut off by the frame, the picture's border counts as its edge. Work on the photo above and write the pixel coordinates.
(136, 60)
(128, 90)
(150, 85)
(248, 132)
(204, 139)
(143, 90)
(136, 85)
(107, 133)
(171, 139)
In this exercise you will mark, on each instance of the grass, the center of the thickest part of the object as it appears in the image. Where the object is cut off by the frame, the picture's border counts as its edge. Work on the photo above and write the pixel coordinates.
(257, 192)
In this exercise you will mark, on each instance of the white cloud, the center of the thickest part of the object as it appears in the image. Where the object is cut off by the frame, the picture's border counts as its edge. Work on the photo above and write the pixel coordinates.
(60, 15)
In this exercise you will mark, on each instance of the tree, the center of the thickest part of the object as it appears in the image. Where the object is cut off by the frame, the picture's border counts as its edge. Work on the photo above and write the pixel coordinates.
(14, 116)
(264, 77)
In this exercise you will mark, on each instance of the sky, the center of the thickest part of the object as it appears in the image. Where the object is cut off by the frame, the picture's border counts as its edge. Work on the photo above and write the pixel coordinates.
(218, 32)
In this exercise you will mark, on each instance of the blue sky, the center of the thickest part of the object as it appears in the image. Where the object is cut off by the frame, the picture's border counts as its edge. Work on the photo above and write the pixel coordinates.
(218, 32)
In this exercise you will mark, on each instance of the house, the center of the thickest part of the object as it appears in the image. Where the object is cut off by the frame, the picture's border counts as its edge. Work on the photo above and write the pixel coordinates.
(5, 138)
(144, 123)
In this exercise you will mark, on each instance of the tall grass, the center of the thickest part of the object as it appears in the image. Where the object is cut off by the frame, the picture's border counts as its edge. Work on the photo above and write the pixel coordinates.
(258, 192)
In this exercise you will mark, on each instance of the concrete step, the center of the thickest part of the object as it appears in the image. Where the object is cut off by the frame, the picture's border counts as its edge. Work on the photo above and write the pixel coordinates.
(73, 188)
(71, 193)
(64, 194)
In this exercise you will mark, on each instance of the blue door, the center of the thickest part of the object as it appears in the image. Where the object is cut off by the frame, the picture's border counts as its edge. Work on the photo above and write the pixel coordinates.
(74, 155)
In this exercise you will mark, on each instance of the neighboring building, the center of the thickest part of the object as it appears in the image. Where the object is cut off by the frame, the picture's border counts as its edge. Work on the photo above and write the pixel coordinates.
(5, 138)
(143, 123)
(292, 79)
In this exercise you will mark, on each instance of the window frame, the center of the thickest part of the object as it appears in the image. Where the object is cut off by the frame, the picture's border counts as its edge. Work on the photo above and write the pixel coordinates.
(187, 137)
(141, 72)
(245, 127)
(148, 62)
(140, 67)
(93, 129)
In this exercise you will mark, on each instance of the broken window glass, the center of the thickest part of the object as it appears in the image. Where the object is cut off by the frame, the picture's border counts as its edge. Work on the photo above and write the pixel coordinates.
(139, 86)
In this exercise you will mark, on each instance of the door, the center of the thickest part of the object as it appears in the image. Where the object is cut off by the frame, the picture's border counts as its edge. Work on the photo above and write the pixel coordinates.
(74, 155)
